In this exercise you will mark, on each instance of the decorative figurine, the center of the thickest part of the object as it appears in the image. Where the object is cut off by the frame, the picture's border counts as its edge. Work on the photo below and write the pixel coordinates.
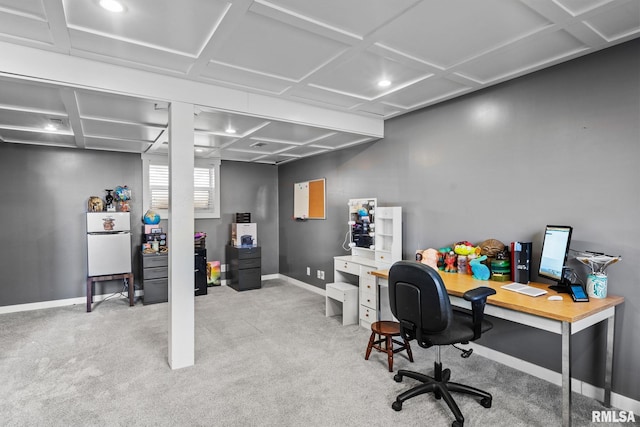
(109, 199)
(450, 262)
(95, 204)
(480, 271)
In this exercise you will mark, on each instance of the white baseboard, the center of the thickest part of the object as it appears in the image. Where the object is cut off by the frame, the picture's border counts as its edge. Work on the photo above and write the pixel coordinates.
(301, 284)
(58, 303)
(617, 400)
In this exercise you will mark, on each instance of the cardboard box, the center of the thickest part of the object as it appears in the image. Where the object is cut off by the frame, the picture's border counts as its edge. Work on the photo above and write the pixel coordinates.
(244, 234)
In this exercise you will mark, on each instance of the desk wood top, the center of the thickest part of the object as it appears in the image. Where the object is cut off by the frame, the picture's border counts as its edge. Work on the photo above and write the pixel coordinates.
(565, 310)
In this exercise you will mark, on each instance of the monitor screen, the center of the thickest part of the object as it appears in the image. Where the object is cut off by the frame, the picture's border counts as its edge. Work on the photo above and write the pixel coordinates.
(555, 248)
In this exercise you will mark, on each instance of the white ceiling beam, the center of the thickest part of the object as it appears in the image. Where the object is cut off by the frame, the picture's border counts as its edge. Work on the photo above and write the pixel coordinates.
(26, 62)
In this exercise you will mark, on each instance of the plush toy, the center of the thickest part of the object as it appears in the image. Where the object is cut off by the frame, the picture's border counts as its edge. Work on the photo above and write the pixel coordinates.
(95, 204)
(464, 248)
(450, 262)
(491, 247)
(480, 271)
(430, 258)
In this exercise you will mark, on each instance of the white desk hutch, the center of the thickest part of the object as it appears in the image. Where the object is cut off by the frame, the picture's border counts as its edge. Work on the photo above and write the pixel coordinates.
(376, 243)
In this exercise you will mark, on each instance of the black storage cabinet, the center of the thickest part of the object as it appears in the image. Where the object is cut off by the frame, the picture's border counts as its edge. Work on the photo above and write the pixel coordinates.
(200, 279)
(244, 267)
(155, 281)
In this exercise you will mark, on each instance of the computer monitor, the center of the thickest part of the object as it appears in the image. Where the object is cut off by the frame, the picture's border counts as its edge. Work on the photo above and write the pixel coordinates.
(555, 249)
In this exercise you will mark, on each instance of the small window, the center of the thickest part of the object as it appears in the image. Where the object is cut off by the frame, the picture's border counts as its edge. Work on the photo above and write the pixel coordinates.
(206, 191)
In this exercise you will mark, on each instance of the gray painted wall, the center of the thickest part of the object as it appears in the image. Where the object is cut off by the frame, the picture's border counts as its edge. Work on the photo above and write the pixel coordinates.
(44, 193)
(246, 187)
(44, 196)
(558, 146)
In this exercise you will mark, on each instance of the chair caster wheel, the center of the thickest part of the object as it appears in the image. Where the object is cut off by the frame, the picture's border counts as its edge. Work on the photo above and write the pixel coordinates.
(396, 405)
(397, 378)
(486, 402)
(457, 424)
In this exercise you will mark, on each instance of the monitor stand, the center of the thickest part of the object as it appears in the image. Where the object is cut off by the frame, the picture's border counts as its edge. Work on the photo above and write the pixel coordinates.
(563, 287)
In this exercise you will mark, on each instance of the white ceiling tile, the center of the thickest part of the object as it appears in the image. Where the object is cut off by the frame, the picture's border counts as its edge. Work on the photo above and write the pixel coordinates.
(31, 95)
(288, 132)
(116, 145)
(32, 120)
(240, 156)
(358, 17)
(616, 23)
(304, 151)
(322, 96)
(260, 146)
(338, 140)
(517, 59)
(24, 28)
(96, 45)
(379, 109)
(359, 76)
(110, 130)
(424, 92)
(273, 48)
(122, 108)
(223, 73)
(219, 121)
(32, 8)
(39, 138)
(183, 26)
(577, 7)
(446, 33)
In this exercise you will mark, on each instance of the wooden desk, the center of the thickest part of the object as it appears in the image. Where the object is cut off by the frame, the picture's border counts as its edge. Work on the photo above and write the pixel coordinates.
(560, 317)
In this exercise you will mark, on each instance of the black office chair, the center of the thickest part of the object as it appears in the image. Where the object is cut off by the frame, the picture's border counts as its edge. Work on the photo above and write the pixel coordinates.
(420, 302)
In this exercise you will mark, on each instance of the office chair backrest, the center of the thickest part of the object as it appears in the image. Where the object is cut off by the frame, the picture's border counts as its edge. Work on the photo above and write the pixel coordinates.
(418, 299)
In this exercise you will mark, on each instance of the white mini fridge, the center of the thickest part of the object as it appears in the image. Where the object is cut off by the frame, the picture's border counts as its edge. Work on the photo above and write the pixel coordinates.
(108, 243)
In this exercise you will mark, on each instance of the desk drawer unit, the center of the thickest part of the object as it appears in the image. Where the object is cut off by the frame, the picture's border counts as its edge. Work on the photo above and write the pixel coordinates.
(368, 297)
(367, 316)
(155, 278)
(245, 270)
(347, 267)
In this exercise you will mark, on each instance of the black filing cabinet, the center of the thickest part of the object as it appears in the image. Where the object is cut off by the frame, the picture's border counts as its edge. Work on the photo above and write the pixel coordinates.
(200, 271)
(244, 267)
(155, 278)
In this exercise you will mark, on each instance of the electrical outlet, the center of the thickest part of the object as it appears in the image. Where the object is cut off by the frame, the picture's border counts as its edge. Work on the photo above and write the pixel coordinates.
(320, 275)
(308, 271)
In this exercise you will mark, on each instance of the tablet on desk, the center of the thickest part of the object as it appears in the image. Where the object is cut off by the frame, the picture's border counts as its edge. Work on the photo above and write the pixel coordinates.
(524, 289)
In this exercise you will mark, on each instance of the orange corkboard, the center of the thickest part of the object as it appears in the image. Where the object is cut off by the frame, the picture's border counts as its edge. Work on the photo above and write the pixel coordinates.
(309, 199)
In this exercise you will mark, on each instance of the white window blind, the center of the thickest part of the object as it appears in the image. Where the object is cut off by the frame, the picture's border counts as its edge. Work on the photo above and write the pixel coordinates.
(204, 187)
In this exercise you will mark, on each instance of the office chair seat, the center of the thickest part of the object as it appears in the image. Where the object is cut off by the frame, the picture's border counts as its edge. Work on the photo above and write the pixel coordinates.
(420, 302)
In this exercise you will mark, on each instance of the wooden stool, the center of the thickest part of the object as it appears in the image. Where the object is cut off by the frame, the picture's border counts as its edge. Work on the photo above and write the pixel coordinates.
(387, 330)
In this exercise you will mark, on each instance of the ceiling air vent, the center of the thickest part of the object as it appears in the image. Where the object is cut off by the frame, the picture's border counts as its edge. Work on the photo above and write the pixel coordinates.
(258, 144)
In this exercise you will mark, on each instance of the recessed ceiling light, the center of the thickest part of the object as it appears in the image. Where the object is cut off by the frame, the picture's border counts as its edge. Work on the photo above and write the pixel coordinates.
(230, 130)
(112, 5)
(384, 83)
(51, 127)
(199, 150)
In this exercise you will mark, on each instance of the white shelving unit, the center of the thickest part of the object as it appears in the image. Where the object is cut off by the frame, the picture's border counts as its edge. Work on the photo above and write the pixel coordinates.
(388, 236)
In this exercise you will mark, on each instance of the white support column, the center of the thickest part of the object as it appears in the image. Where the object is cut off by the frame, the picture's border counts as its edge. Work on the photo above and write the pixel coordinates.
(181, 227)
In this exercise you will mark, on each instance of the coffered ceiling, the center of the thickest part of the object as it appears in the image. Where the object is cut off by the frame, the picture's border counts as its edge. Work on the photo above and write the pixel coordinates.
(331, 54)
